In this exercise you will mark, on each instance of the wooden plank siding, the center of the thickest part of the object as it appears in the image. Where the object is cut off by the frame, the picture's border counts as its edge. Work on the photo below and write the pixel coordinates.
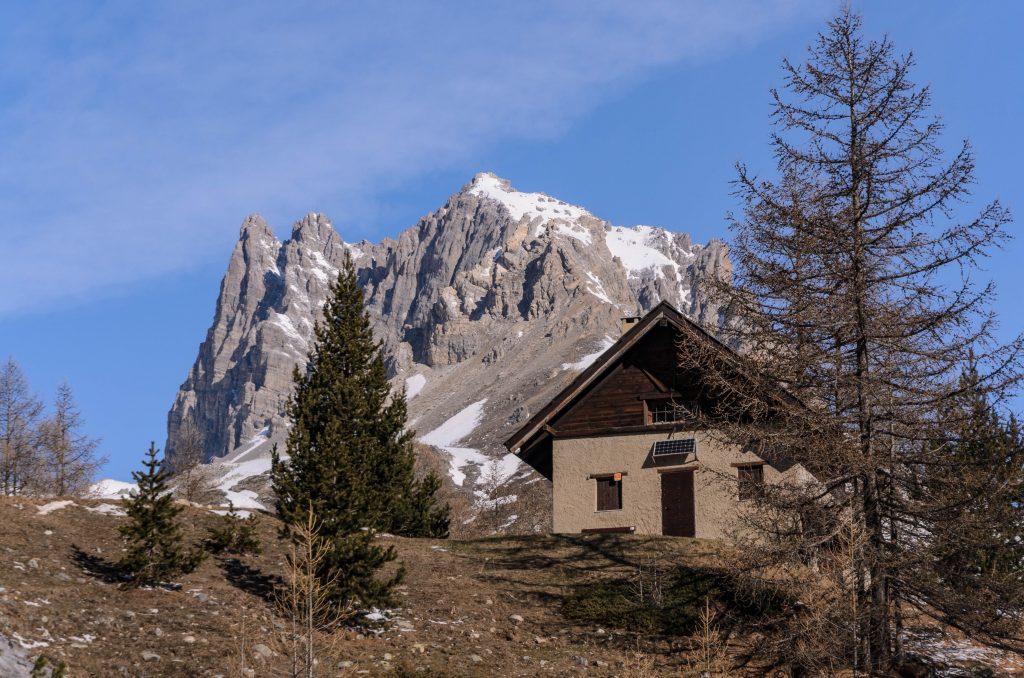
(616, 402)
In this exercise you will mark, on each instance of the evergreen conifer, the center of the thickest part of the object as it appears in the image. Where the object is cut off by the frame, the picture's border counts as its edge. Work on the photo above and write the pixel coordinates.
(233, 534)
(156, 551)
(350, 457)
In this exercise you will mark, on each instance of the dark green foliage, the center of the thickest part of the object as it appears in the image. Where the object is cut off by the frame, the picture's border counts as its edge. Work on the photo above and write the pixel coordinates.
(350, 457)
(43, 668)
(233, 534)
(669, 603)
(156, 552)
(979, 547)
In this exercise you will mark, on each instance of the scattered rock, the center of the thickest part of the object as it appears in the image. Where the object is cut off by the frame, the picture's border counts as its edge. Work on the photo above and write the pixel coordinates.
(580, 661)
(516, 618)
(189, 639)
(150, 656)
(262, 650)
(345, 664)
(475, 658)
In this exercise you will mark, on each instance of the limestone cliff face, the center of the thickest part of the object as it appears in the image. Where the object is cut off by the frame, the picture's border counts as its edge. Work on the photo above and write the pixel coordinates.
(486, 308)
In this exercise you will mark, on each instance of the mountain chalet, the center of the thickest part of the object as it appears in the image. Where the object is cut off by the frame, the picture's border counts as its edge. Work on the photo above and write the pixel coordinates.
(617, 449)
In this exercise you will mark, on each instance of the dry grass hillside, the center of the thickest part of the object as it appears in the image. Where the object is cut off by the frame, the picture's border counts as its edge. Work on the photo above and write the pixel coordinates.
(512, 606)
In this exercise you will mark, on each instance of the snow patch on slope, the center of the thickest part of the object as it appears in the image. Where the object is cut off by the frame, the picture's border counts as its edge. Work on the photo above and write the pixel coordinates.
(413, 385)
(588, 360)
(461, 426)
(632, 246)
(238, 467)
(46, 509)
(109, 488)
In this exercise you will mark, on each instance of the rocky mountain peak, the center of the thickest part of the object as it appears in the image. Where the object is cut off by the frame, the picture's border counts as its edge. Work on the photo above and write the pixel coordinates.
(485, 308)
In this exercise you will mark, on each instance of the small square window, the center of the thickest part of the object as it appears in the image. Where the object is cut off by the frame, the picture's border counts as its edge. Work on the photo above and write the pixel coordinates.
(609, 494)
(661, 412)
(751, 481)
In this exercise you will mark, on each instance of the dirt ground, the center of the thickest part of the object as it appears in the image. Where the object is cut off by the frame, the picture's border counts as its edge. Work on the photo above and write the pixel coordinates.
(467, 608)
(484, 607)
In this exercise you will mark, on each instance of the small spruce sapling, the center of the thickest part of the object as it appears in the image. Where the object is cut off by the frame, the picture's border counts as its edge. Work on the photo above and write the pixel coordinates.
(233, 534)
(156, 551)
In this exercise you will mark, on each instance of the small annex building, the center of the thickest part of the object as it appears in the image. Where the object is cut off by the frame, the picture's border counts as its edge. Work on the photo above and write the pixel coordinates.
(619, 453)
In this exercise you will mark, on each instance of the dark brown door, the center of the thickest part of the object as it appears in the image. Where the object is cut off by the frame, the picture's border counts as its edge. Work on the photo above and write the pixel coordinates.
(677, 515)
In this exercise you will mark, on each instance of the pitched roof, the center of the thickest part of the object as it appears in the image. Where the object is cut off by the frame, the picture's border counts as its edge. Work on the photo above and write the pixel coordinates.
(663, 311)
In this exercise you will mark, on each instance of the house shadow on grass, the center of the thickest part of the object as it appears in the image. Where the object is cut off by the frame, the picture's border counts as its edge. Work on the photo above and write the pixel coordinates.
(655, 587)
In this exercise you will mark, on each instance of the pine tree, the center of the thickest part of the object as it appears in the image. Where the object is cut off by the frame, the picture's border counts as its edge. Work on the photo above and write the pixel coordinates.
(156, 551)
(233, 534)
(350, 457)
(979, 545)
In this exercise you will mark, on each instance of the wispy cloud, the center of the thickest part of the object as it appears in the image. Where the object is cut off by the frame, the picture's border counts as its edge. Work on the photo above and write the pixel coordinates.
(135, 136)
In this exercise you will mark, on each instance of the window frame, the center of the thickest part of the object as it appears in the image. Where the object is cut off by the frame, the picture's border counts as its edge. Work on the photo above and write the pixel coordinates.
(607, 478)
(651, 407)
(748, 489)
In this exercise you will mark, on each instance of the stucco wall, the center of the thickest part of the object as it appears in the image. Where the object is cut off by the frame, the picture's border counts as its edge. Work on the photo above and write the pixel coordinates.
(714, 486)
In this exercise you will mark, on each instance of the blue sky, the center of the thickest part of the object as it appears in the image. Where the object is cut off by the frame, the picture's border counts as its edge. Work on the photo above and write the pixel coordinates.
(136, 137)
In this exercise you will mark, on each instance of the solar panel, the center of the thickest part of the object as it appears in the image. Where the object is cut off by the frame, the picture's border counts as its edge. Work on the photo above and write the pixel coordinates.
(668, 448)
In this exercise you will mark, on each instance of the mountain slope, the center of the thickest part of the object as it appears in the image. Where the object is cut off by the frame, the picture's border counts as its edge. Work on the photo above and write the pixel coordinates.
(486, 308)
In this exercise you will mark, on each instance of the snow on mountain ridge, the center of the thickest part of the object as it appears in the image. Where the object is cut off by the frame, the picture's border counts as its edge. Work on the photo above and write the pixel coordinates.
(492, 299)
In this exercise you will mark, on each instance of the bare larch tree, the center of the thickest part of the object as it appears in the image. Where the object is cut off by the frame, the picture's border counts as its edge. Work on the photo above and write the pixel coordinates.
(854, 291)
(68, 454)
(20, 412)
(191, 482)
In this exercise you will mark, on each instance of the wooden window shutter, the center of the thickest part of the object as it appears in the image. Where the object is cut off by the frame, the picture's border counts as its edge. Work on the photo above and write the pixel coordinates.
(609, 493)
(751, 481)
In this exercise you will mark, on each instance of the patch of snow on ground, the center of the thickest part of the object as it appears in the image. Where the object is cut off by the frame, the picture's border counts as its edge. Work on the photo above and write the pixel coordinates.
(938, 646)
(237, 467)
(447, 436)
(240, 453)
(451, 432)
(413, 385)
(109, 488)
(244, 499)
(29, 644)
(631, 246)
(236, 473)
(241, 513)
(54, 506)
(588, 360)
(107, 510)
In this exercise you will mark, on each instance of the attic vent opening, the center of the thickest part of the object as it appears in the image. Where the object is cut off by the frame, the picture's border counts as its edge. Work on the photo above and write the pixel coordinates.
(674, 448)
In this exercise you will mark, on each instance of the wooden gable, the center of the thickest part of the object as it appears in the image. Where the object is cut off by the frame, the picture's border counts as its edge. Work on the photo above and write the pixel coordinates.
(616, 401)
